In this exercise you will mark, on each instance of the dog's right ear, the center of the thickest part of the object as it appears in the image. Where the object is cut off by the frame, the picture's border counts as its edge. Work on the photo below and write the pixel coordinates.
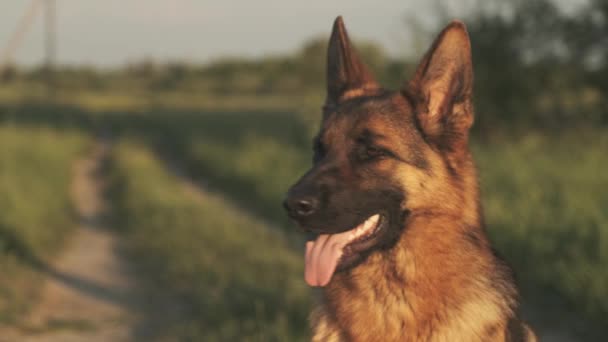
(442, 87)
(347, 76)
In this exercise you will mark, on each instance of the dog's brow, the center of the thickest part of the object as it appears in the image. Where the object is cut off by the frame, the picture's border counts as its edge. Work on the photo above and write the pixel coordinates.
(369, 136)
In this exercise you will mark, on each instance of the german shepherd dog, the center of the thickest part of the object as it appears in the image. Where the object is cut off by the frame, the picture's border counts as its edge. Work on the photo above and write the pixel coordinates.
(392, 199)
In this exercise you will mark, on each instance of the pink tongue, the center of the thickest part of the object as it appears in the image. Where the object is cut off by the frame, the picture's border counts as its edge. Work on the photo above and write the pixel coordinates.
(322, 257)
(323, 254)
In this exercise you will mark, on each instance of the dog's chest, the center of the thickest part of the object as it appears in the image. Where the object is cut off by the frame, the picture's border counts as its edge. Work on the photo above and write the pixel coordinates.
(364, 316)
(390, 318)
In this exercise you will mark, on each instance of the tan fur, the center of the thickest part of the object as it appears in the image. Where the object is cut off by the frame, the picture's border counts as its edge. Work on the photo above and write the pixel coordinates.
(365, 90)
(400, 296)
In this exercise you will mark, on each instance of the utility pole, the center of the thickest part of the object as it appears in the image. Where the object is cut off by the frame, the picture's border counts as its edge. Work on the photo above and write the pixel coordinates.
(50, 45)
(23, 26)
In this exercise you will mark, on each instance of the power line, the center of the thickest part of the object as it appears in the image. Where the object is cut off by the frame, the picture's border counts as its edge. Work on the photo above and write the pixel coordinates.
(50, 45)
(23, 26)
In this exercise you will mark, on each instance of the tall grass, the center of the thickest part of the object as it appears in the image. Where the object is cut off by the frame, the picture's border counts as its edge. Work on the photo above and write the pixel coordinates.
(37, 215)
(545, 195)
(251, 157)
(546, 204)
(240, 279)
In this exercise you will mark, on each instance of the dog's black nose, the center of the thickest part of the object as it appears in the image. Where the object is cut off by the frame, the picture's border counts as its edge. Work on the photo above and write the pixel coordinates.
(300, 207)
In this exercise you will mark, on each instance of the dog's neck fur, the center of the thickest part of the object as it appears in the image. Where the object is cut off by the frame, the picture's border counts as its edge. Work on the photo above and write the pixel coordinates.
(371, 299)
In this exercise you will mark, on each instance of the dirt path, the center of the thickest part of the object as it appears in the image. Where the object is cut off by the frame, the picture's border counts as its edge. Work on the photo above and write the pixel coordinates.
(90, 291)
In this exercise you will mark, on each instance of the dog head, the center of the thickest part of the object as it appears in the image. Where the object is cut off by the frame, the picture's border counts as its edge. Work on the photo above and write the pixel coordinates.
(382, 155)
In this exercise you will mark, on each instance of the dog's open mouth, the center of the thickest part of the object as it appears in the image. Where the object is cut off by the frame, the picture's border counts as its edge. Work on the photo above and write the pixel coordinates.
(329, 252)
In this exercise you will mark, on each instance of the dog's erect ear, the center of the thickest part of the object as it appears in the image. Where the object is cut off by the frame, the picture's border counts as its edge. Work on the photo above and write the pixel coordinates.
(347, 76)
(442, 88)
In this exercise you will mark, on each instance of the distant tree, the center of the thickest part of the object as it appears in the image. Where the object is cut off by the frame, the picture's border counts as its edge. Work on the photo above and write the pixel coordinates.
(536, 64)
(146, 68)
(8, 73)
(587, 37)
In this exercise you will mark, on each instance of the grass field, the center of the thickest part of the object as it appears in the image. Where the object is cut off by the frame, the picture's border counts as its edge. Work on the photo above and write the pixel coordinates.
(544, 195)
(37, 215)
(239, 277)
(546, 200)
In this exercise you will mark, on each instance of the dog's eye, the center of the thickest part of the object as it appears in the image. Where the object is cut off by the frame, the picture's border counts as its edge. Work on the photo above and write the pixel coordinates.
(374, 152)
(368, 153)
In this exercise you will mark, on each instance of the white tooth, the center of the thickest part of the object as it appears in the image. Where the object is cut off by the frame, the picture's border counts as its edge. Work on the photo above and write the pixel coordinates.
(364, 227)
(371, 222)
(360, 230)
(355, 232)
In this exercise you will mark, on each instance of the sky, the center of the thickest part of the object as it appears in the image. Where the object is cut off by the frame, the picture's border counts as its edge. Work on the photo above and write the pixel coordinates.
(114, 32)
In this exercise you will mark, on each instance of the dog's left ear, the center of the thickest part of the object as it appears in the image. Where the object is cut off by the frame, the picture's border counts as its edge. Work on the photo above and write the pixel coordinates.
(347, 76)
(442, 88)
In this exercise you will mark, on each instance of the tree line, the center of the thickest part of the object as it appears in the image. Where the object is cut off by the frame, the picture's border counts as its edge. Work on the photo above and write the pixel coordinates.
(534, 64)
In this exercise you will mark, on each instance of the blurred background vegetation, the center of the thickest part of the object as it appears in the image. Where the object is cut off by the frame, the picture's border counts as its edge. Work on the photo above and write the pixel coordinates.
(242, 128)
